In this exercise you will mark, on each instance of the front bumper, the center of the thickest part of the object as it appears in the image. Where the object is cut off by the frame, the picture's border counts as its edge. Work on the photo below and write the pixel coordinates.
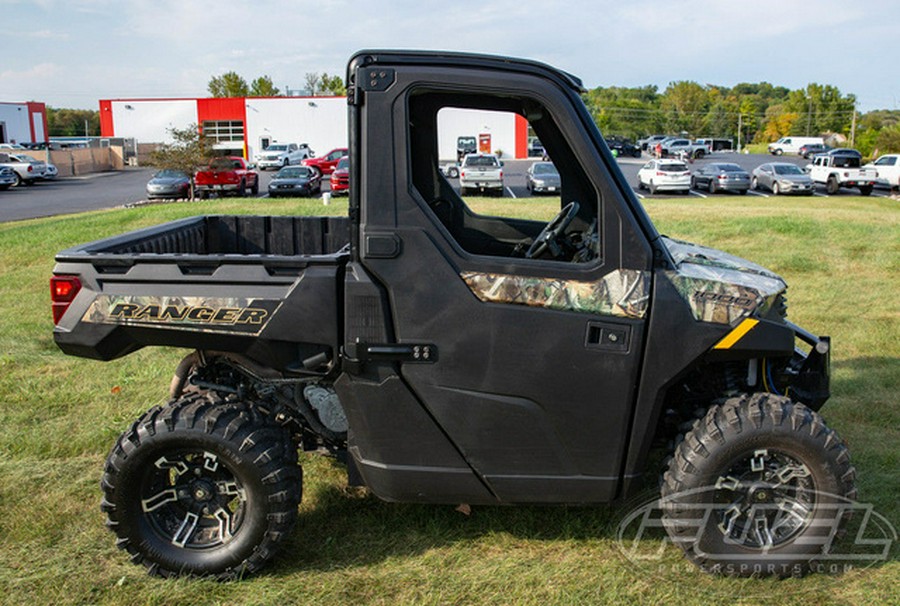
(808, 374)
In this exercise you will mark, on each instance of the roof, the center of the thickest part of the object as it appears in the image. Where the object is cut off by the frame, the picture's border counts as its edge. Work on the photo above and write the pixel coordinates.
(454, 59)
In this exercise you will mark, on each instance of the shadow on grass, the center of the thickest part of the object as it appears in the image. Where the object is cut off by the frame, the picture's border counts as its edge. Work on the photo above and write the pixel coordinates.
(346, 529)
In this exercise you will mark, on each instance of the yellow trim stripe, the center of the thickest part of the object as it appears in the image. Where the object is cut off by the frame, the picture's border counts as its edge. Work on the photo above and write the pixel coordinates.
(735, 335)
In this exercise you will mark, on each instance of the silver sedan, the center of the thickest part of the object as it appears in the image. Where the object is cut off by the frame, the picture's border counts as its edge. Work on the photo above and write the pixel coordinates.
(782, 178)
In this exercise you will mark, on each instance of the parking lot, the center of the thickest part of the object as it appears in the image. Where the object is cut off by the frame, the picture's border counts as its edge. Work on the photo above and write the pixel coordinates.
(108, 190)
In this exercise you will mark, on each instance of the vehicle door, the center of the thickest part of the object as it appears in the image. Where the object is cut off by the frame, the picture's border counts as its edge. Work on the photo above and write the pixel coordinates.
(528, 362)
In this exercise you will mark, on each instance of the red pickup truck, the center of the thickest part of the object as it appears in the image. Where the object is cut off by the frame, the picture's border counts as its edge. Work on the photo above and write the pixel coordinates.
(230, 174)
(327, 163)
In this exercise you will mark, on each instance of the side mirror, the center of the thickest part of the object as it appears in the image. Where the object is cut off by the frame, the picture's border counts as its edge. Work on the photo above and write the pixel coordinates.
(501, 163)
(252, 165)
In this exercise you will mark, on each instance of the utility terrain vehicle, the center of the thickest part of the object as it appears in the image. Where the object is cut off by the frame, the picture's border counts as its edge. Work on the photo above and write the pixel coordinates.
(453, 357)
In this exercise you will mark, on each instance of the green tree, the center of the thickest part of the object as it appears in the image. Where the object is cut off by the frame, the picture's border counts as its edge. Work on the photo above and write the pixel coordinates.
(685, 105)
(71, 122)
(332, 85)
(229, 84)
(188, 151)
(821, 109)
(264, 87)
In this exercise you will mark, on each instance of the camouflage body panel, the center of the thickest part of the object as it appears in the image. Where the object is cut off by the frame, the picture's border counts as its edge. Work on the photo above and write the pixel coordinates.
(719, 287)
(208, 314)
(624, 293)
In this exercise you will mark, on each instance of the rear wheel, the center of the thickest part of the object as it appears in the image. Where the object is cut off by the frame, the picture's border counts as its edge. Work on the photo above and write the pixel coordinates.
(652, 187)
(202, 488)
(778, 152)
(755, 487)
(712, 186)
(832, 186)
(242, 189)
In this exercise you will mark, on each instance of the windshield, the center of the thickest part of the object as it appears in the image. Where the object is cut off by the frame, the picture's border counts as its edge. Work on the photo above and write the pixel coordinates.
(788, 169)
(293, 172)
(277, 148)
(170, 174)
(224, 164)
(546, 169)
(481, 161)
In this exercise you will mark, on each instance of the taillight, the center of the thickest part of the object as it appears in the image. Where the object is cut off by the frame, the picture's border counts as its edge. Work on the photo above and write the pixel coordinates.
(30, 168)
(62, 292)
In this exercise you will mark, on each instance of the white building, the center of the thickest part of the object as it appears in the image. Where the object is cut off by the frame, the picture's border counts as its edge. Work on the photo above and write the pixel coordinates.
(246, 125)
(23, 122)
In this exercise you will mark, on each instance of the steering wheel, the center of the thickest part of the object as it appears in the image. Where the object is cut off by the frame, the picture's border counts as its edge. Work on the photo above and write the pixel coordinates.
(552, 231)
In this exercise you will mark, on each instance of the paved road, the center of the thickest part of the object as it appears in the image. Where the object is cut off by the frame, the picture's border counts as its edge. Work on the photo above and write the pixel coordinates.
(108, 190)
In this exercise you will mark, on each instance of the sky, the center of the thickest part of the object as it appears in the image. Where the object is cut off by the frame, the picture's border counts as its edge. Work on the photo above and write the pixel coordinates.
(72, 53)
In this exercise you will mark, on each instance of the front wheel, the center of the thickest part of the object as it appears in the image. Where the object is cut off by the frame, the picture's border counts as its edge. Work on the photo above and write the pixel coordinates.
(255, 189)
(202, 488)
(754, 184)
(756, 487)
(776, 189)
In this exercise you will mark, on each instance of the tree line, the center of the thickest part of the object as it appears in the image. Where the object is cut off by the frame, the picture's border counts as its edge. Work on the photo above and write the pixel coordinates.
(747, 112)
(757, 113)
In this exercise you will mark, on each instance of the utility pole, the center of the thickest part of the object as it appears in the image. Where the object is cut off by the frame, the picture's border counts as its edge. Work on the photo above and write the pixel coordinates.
(740, 128)
(853, 128)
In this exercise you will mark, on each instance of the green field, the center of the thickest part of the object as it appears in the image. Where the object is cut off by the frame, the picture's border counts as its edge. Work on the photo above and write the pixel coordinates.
(60, 415)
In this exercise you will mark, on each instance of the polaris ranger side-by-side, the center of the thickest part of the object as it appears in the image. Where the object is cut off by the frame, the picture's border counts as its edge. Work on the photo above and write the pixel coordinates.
(454, 357)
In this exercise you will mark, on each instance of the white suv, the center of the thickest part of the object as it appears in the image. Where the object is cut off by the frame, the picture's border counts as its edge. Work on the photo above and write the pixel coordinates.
(278, 155)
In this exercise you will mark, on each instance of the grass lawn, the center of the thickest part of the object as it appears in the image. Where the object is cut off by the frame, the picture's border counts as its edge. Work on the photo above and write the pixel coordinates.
(59, 416)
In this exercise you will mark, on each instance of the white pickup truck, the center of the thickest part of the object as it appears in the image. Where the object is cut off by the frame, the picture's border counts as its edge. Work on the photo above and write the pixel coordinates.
(481, 172)
(838, 169)
(278, 155)
(28, 170)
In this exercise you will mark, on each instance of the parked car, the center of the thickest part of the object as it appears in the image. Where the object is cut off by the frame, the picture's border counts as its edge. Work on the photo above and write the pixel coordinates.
(467, 145)
(791, 145)
(809, 150)
(227, 175)
(327, 163)
(623, 147)
(782, 178)
(278, 155)
(648, 143)
(665, 175)
(295, 181)
(340, 178)
(481, 172)
(682, 147)
(535, 149)
(51, 172)
(39, 166)
(843, 168)
(721, 176)
(169, 183)
(7, 177)
(541, 178)
(27, 172)
(888, 168)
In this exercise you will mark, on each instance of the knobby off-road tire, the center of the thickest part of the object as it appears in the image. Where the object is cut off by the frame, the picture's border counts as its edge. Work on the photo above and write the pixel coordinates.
(775, 476)
(202, 488)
